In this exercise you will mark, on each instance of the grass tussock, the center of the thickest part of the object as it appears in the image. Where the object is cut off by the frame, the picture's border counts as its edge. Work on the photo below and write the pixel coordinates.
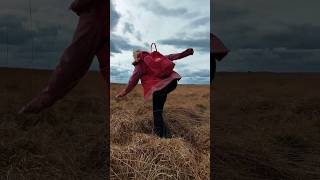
(137, 153)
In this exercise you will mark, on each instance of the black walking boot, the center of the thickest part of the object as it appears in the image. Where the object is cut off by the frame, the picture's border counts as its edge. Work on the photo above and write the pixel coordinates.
(160, 127)
(166, 131)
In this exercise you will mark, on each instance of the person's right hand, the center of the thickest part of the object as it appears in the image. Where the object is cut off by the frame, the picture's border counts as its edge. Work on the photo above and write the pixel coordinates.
(121, 94)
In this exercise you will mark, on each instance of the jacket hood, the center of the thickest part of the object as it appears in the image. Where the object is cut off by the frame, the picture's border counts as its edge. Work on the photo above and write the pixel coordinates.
(140, 58)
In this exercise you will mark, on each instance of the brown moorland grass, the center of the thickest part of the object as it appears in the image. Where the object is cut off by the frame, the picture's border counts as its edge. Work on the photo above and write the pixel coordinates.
(137, 153)
(67, 141)
(266, 126)
(271, 134)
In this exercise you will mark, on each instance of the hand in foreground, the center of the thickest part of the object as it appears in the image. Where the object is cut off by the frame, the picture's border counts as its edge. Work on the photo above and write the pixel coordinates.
(74, 8)
(121, 94)
(190, 51)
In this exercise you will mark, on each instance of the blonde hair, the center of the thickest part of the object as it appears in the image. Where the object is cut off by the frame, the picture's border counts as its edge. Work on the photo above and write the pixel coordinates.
(135, 57)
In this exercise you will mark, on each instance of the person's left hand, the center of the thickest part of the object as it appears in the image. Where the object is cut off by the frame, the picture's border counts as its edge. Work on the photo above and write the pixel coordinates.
(190, 51)
(74, 7)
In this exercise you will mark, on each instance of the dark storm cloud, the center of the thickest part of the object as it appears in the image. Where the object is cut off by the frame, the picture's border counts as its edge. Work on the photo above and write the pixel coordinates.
(157, 8)
(12, 26)
(275, 60)
(114, 19)
(119, 44)
(51, 31)
(129, 28)
(113, 47)
(18, 33)
(268, 35)
(221, 12)
(302, 36)
(114, 16)
(199, 44)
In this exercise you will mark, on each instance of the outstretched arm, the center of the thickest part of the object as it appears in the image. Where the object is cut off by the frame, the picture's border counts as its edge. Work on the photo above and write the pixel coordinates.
(134, 79)
(181, 55)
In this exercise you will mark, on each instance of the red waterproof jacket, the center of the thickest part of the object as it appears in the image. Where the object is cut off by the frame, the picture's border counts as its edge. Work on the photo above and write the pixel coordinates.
(150, 82)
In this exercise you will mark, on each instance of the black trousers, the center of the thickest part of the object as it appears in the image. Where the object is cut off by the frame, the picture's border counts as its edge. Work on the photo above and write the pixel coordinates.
(159, 99)
(213, 67)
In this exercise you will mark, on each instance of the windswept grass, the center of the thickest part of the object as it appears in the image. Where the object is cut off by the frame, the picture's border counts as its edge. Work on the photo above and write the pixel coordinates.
(137, 153)
(266, 126)
(67, 141)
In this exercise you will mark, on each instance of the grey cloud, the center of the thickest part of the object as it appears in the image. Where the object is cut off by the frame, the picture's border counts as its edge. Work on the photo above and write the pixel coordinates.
(114, 16)
(52, 28)
(146, 44)
(122, 76)
(222, 12)
(265, 37)
(128, 28)
(118, 44)
(157, 8)
(202, 21)
(113, 47)
(12, 26)
(195, 73)
(303, 36)
(116, 71)
(271, 60)
(200, 44)
(138, 35)
(18, 34)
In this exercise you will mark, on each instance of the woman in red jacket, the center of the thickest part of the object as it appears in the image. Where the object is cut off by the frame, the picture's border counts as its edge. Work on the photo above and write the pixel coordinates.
(154, 86)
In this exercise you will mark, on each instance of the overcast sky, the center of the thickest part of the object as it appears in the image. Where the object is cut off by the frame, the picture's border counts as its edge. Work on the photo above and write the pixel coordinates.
(278, 36)
(172, 24)
(53, 25)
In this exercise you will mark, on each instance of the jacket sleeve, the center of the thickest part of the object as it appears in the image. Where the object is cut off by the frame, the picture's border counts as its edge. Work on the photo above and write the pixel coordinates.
(79, 6)
(177, 56)
(134, 79)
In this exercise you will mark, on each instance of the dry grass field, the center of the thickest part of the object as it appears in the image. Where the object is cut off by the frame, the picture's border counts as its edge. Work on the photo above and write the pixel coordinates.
(266, 126)
(137, 153)
(67, 141)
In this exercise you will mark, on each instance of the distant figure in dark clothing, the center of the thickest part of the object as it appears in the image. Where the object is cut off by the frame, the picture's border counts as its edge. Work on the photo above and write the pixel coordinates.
(218, 52)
